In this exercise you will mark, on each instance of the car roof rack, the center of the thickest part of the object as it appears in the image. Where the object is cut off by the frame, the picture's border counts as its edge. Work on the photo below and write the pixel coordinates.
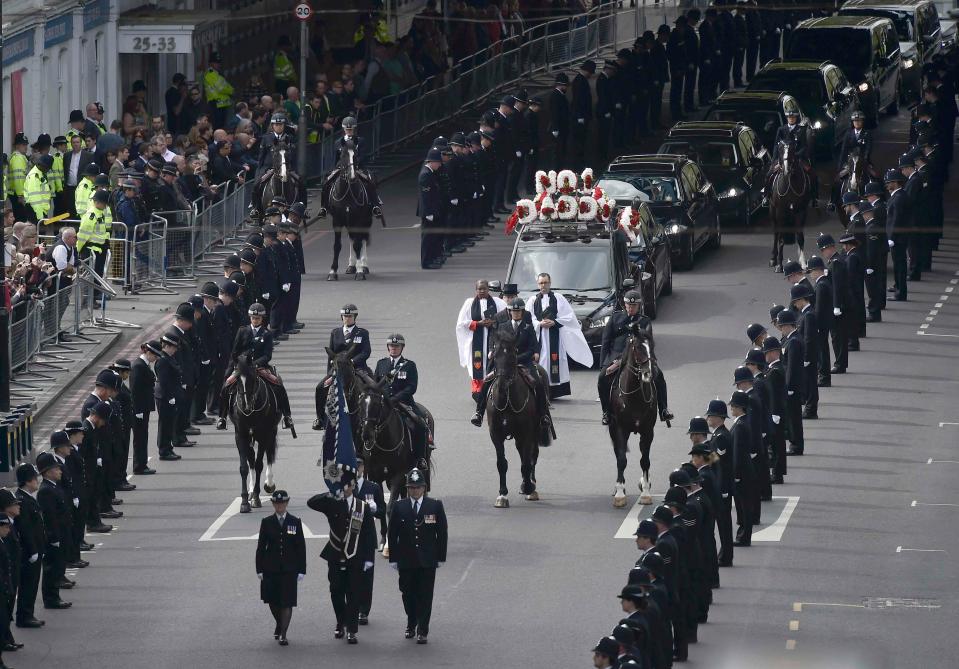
(565, 231)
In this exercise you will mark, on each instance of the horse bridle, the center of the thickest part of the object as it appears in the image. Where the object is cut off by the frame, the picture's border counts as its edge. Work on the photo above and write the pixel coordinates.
(361, 200)
(509, 401)
(371, 436)
(642, 370)
(255, 409)
(786, 170)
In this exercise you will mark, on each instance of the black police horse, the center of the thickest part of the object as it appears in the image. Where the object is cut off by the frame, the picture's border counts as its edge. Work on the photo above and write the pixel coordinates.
(791, 193)
(632, 410)
(512, 412)
(280, 181)
(351, 205)
(854, 178)
(255, 415)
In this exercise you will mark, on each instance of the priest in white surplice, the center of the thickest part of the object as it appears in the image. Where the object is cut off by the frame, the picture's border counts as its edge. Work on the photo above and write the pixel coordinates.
(473, 326)
(560, 335)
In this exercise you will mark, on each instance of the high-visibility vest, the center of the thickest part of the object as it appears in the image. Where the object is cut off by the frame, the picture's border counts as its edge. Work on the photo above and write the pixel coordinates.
(93, 230)
(55, 174)
(19, 166)
(37, 192)
(6, 178)
(218, 90)
(81, 198)
(283, 68)
(381, 33)
(107, 214)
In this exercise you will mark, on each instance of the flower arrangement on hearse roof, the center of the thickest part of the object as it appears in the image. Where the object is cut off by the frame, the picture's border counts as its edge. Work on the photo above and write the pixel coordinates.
(563, 197)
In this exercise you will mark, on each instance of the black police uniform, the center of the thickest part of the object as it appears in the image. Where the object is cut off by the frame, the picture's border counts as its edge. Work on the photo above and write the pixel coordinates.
(266, 275)
(709, 62)
(825, 323)
(417, 543)
(57, 523)
(339, 342)
(142, 385)
(280, 557)
(721, 442)
(760, 420)
(605, 104)
(677, 53)
(847, 322)
(207, 353)
(461, 192)
(898, 230)
(754, 36)
(33, 540)
(9, 581)
(776, 401)
(531, 161)
(559, 122)
(187, 360)
(168, 387)
(403, 380)
(504, 151)
(793, 357)
(615, 334)
(286, 275)
(581, 113)
(692, 68)
(746, 491)
(521, 143)
(226, 323)
(124, 411)
(855, 313)
(876, 260)
(920, 241)
(88, 510)
(372, 492)
(352, 544)
(658, 67)
(430, 211)
(107, 437)
(808, 327)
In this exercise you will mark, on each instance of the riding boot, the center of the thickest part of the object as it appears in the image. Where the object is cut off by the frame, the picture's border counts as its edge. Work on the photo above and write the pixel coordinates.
(283, 400)
(483, 394)
(224, 409)
(664, 413)
(320, 399)
(603, 385)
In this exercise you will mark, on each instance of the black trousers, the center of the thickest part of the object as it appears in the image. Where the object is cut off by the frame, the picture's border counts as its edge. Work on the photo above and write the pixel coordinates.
(29, 586)
(347, 586)
(499, 186)
(840, 335)
(794, 427)
(366, 600)
(689, 88)
(900, 265)
(166, 426)
(739, 58)
(122, 457)
(777, 447)
(416, 586)
(724, 524)
(811, 384)
(54, 569)
(604, 130)
(824, 361)
(745, 496)
(655, 105)
(752, 57)
(431, 241)
(676, 78)
(202, 390)
(216, 386)
(184, 414)
(531, 164)
(560, 148)
(141, 435)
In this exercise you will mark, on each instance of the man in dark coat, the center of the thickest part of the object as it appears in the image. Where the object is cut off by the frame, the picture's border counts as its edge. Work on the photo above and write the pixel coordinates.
(33, 541)
(776, 401)
(898, 230)
(801, 298)
(168, 393)
(855, 281)
(430, 210)
(825, 318)
(747, 488)
(581, 112)
(142, 385)
(559, 118)
(677, 53)
(721, 444)
(56, 520)
(793, 356)
(349, 337)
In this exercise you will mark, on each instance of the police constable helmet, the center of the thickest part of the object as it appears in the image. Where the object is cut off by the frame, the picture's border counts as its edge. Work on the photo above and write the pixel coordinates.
(128, 183)
(786, 317)
(349, 122)
(26, 473)
(676, 496)
(298, 208)
(101, 180)
(185, 312)
(753, 330)
(229, 288)
(522, 95)
(679, 478)
(800, 291)
(106, 378)
(771, 344)
(639, 576)
(755, 357)
(458, 139)
(273, 211)
(633, 297)
(46, 462)
(169, 168)
(279, 117)
(232, 261)
(647, 528)
(20, 139)
(824, 241)
(717, 407)
(248, 256)
(866, 207)
(396, 340)
(269, 230)
(278, 200)
(739, 399)
(742, 374)
(692, 472)
(894, 175)
(434, 156)
(607, 646)
(873, 188)
(280, 497)
(562, 79)
(415, 479)
(104, 410)
(210, 289)
(815, 262)
(7, 498)
(849, 198)
(698, 425)
(91, 170)
(349, 310)
(255, 240)
(153, 346)
(155, 165)
(196, 302)
(73, 426)
(905, 160)
(624, 635)
(101, 196)
(654, 562)
(256, 309)
(170, 340)
(774, 311)
(792, 267)
(857, 115)
(238, 278)
(662, 514)
(517, 304)
(701, 449)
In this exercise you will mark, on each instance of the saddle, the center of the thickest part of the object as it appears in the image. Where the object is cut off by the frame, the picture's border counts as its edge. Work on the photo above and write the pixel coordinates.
(266, 373)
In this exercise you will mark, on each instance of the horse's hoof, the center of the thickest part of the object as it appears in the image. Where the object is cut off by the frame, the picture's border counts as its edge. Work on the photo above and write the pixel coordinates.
(645, 499)
(502, 502)
(244, 507)
(255, 502)
(619, 502)
(332, 277)
(269, 488)
(386, 552)
(366, 270)
(350, 270)
(532, 497)
(359, 277)
(772, 263)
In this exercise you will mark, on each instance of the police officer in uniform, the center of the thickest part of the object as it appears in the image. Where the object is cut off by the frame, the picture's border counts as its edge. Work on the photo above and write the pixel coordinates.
(823, 287)
(721, 444)
(56, 522)
(677, 53)
(402, 380)
(188, 361)
(793, 357)
(855, 279)
(843, 322)
(581, 112)
(33, 540)
(746, 493)
(559, 118)
(280, 562)
(801, 299)
(168, 393)
(776, 402)
(521, 143)
(142, 386)
(605, 106)
(531, 162)
(430, 210)
(342, 339)
(372, 492)
(459, 171)
(873, 212)
(899, 222)
(349, 552)
(417, 539)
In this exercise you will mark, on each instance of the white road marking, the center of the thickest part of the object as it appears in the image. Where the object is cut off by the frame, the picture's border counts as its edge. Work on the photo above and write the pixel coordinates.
(916, 503)
(933, 334)
(949, 462)
(631, 522)
(790, 644)
(232, 510)
(942, 424)
(797, 606)
(775, 531)
(793, 625)
(903, 549)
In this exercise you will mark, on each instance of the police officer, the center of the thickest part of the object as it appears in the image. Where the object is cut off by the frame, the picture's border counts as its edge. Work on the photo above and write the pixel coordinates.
(855, 299)
(142, 387)
(342, 339)
(710, 57)
(797, 135)
(349, 552)
(462, 188)
(124, 401)
(521, 144)
(624, 88)
(823, 287)
(105, 389)
(402, 380)
(677, 54)
(793, 357)
(617, 331)
(280, 562)
(265, 269)
(531, 163)
(417, 539)
(657, 66)
(372, 492)
(801, 299)
(857, 137)
(605, 105)
(775, 383)
(754, 34)
(918, 193)
(746, 493)
(758, 416)
(721, 444)
(873, 212)
(843, 322)
(898, 230)
(278, 135)
(187, 358)
(430, 210)
(56, 522)
(693, 60)
(559, 118)
(33, 541)
(168, 393)
(350, 140)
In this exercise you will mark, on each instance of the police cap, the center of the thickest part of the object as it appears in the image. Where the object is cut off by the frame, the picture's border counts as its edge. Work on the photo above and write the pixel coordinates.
(278, 200)
(278, 117)
(396, 340)
(633, 297)
(701, 449)
(507, 101)
(170, 340)
(101, 196)
(800, 291)
(873, 188)
(91, 170)
(153, 346)
(849, 198)
(562, 78)
(662, 514)
(415, 479)
(857, 115)
(634, 593)
(349, 310)
(46, 462)
(588, 66)
(487, 135)
(273, 211)
(58, 439)
(349, 122)
(522, 95)
(894, 175)
(848, 237)
(825, 240)
(624, 636)
(753, 330)
(280, 496)
(646, 528)
(248, 256)
(755, 357)
(184, 311)
(255, 240)
(792, 267)
(256, 309)
(771, 344)
(104, 410)
(121, 365)
(59, 140)
(697, 425)
(270, 230)
(692, 472)
(434, 156)
(128, 183)
(73, 426)
(676, 496)
(517, 304)
(7, 499)
(210, 289)
(639, 576)
(154, 164)
(26, 473)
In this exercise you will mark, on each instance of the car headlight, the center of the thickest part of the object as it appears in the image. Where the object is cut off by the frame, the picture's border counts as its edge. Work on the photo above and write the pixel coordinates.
(907, 63)
(598, 322)
(732, 192)
(863, 87)
(817, 125)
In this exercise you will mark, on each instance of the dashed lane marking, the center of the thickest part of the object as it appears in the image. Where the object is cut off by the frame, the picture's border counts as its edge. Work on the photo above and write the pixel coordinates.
(916, 503)
(790, 644)
(903, 549)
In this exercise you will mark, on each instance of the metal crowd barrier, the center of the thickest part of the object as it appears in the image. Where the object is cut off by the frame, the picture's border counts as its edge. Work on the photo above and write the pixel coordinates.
(16, 436)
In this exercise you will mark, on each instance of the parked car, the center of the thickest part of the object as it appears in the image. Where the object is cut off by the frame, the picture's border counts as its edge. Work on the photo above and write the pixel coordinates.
(733, 158)
(763, 111)
(650, 253)
(821, 89)
(679, 194)
(865, 47)
(922, 34)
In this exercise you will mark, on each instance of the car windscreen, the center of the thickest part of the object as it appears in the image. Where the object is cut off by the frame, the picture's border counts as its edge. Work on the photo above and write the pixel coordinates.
(765, 122)
(651, 188)
(807, 87)
(572, 267)
(706, 153)
(849, 48)
(902, 20)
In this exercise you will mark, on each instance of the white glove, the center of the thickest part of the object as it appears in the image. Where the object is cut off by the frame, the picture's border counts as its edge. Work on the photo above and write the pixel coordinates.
(139, 416)
(172, 401)
(788, 27)
(778, 31)
(430, 218)
(99, 462)
(475, 195)
(870, 271)
(328, 382)
(581, 121)
(607, 115)
(807, 363)
(790, 393)
(76, 502)
(260, 576)
(753, 455)
(33, 558)
(266, 296)
(394, 566)
(55, 544)
(300, 577)
(286, 287)
(204, 362)
(532, 151)
(519, 154)
(372, 506)
(891, 243)
(837, 311)
(367, 566)
(776, 419)
(619, 105)
(183, 386)
(556, 133)
(455, 201)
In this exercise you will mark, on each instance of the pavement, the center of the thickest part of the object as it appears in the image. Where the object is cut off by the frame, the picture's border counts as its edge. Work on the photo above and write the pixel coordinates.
(855, 568)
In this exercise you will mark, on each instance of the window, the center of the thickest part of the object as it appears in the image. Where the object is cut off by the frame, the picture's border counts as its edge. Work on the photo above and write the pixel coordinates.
(832, 83)
(892, 42)
(745, 146)
(689, 180)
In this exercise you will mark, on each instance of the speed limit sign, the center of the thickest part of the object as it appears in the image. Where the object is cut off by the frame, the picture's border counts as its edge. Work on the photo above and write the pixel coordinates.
(303, 11)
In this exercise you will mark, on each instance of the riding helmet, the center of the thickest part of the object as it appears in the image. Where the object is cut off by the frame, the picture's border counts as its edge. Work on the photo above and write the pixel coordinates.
(278, 117)
(633, 297)
(396, 339)
(257, 309)
(517, 304)
(349, 310)
(857, 115)
(349, 122)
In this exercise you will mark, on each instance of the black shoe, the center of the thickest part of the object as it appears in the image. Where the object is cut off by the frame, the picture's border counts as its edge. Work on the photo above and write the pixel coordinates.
(778, 479)
(11, 647)
(78, 564)
(283, 642)
(59, 604)
(873, 319)
(605, 419)
(221, 423)
(203, 420)
(810, 414)
(338, 633)
(318, 424)
(825, 383)
(298, 325)
(192, 431)
(837, 370)
(67, 584)
(364, 619)
(111, 514)
(84, 546)
(792, 451)
(433, 265)
(30, 623)
(477, 419)
(351, 639)
(102, 528)
(421, 639)
(186, 443)
(125, 487)
(170, 456)
(853, 348)
(410, 633)
(146, 471)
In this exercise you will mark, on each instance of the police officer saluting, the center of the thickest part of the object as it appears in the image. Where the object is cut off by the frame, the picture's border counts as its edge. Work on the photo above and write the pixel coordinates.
(280, 562)
(417, 541)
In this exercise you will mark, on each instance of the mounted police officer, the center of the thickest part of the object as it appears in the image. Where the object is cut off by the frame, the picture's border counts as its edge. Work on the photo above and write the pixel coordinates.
(349, 141)
(798, 136)
(621, 325)
(280, 137)
(858, 138)
(342, 339)
(402, 380)
(256, 341)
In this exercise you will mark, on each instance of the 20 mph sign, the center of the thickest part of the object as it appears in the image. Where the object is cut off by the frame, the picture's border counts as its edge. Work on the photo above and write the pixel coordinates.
(303, 11)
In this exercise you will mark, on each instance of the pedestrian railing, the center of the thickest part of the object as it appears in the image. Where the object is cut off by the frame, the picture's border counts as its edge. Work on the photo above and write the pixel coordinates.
(16, 435)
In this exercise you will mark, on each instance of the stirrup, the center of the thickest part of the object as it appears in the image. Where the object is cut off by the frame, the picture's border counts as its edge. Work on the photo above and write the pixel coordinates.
(321, 213)
(377, 211)
(477, 419)
(221, 423)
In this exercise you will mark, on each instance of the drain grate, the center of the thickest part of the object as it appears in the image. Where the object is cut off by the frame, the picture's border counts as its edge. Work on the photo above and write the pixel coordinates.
(900, 603)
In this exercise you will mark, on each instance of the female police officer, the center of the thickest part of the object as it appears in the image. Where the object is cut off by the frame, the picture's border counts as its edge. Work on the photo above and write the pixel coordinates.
(280, 562)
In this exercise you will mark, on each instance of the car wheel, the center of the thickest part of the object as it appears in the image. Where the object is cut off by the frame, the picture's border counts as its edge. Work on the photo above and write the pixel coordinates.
(687, 254)
(668, 284)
